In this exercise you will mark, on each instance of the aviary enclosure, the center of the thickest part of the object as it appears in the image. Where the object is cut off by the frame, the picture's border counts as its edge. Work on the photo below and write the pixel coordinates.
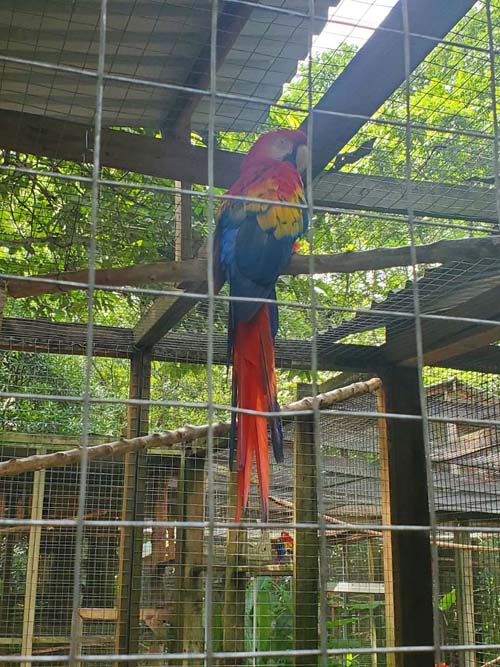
(122, 124)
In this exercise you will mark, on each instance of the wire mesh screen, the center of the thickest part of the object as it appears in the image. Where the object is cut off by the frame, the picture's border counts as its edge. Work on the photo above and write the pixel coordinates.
(133, 186)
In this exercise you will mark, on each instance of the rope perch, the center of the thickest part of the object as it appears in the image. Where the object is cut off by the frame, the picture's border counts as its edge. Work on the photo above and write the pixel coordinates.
(181, 436)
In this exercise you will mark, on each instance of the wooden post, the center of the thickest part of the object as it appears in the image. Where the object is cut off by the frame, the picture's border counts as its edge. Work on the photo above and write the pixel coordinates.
(183, 213)
(411, 556)
(6, 574)
(306, 548)
(193, 637)
(465, 600)
(183, 224)
(130, 552)
(188, 631)
(390, 634)
(233, 616)
(31, 586)
(371, 616)
(158, 533)
(178, 514)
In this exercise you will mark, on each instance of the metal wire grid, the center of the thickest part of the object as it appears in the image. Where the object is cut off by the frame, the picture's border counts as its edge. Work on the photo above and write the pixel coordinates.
(214, 93)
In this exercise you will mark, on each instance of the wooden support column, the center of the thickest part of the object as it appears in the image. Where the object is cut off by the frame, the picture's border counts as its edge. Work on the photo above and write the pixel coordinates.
(411, 556)
(465, 600)
(233, 616)
(158, 533)
(191, 558)
(183, 222)
(371, 577)
(385, 492)
(306, 548)
(177, 511)
(130, 552)
(31, 587)
(188, 630)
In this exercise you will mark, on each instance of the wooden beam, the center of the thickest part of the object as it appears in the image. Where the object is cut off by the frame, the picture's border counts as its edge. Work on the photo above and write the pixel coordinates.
(25, 335)
(179, 160)
(127, 634)
(371, 616)
(443, 340)
(164, 158)
(164, 314)
(195, 270)
(483, 360)
(411, 571)
(377, 70)
(389, 195)
(341, 380)
(306, 547)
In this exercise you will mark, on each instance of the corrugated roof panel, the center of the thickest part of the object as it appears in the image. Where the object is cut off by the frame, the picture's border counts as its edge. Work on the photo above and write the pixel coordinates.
(149, 40)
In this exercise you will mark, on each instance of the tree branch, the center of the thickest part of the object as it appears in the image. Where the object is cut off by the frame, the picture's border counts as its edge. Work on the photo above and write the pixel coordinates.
(469, 249)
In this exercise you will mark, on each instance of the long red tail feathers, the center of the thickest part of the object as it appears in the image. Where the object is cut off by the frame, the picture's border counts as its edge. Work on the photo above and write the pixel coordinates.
(253, 363)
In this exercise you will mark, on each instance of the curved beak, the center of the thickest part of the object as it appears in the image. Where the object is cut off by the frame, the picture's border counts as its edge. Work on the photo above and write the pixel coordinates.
(301, 158)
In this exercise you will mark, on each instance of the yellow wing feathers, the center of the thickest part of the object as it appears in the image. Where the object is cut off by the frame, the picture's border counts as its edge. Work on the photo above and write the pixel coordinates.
(282, 219)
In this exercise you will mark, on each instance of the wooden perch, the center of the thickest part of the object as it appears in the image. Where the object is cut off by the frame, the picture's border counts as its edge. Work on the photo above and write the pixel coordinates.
(183, 435)
(282, 502)
(327, 517)
(469, 249)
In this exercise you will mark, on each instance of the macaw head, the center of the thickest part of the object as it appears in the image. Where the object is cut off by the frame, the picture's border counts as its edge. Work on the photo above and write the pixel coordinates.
(279, 145)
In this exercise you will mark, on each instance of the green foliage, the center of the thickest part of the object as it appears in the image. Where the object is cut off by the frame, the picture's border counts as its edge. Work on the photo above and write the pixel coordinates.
(272, 615)
(269, 613)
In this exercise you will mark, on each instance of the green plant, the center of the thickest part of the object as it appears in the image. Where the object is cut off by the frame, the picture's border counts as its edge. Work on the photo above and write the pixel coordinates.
(268, 618)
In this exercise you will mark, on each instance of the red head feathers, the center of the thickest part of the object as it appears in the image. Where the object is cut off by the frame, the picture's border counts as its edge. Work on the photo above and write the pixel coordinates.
(279, 145)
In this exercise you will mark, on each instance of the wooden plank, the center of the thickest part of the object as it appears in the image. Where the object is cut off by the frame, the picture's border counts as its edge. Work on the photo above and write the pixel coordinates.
(364, 587)
(411, 556)
(306, 547)
(32, 567)
(233, 617)
(388, 563)
(130, 550)
(483, 360)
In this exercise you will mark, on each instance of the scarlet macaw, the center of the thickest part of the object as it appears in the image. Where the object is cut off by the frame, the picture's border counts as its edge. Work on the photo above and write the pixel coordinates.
(253, 243)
